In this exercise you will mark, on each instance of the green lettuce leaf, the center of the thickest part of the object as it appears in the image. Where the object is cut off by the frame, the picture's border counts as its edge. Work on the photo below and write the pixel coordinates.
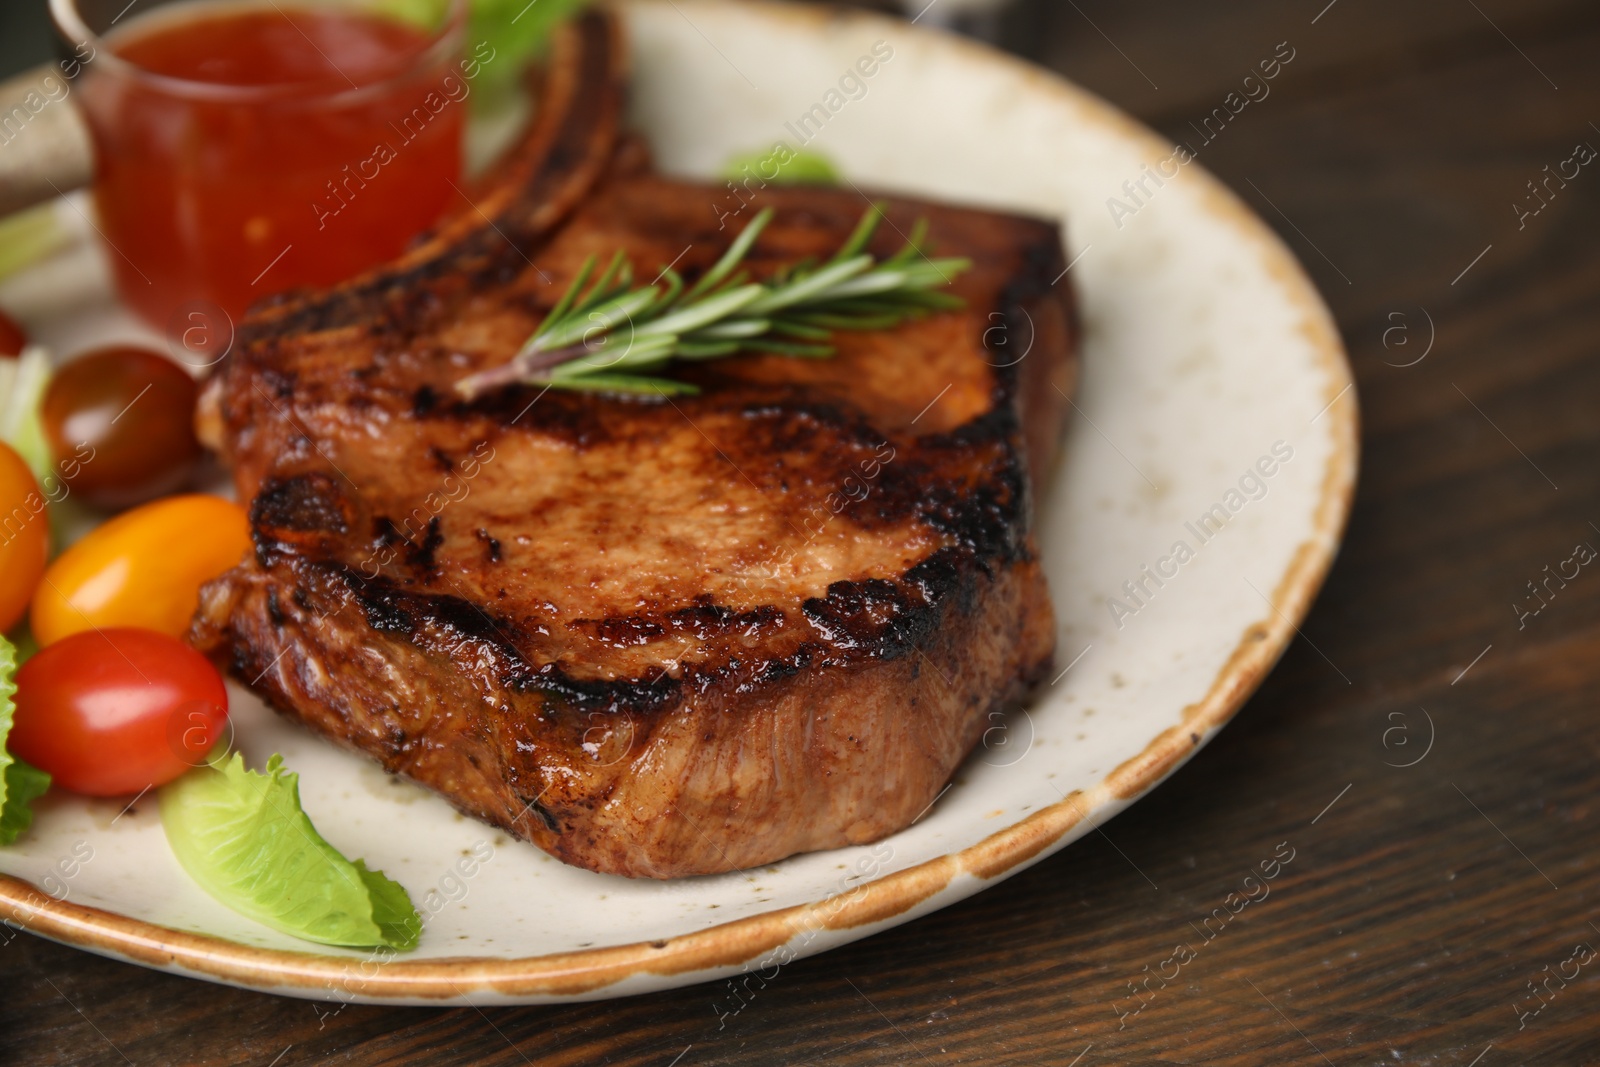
(20, 784)
(244, 837)
(518, 31)
(391, 909)
(28, 236)
(514, 31)
(22, 385)
(23, 642)
(802, 168)
(24, 784)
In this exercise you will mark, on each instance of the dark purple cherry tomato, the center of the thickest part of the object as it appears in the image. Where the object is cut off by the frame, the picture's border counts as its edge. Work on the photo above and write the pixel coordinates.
(12, 339)
(121, 420)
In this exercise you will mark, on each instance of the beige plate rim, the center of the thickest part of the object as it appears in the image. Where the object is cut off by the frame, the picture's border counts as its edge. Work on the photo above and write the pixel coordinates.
(1003, 853)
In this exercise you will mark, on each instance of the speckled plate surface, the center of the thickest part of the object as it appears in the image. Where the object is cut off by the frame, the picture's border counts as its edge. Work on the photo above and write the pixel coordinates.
(1214, 386)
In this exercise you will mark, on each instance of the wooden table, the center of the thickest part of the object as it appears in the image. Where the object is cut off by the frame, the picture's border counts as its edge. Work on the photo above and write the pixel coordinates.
(1423, 900)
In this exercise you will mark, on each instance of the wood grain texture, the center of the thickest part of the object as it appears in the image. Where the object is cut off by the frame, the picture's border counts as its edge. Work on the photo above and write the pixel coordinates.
(1420, 904)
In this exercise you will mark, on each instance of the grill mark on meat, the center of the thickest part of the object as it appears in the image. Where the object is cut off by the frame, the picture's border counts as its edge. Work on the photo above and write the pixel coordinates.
(544, 813)
(299, 512)
(452, 627)
(704, 619)
(884, 618)
(873, 620)
(422, 556)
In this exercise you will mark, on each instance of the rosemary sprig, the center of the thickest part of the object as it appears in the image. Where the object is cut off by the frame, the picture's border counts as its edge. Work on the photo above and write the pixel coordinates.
(605, 335)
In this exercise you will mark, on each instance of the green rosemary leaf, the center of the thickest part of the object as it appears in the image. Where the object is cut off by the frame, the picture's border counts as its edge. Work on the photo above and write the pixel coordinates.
(913, 248)
(602, 334)
(810, 288)
(732, 257)
(790, 348)
(932, 272)
(860, 305)
(602, 288)
(733, 329)
(825, 323)
(598, 319)
(913, 299)
(793, 272)
(571, 294)
(626, 383)
(804, 331)
(616, 353)
(878, 281)
(674, 287)
(861, 235)
(705, 312)
(707, 349)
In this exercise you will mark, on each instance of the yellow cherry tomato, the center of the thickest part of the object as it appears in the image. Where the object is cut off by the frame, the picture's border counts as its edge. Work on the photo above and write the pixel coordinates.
(144, 568)
(24, 536)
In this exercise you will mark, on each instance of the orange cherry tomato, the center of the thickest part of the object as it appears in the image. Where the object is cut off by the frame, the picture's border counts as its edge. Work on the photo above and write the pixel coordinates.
(24, 536)
(143, 568)
(116, 711)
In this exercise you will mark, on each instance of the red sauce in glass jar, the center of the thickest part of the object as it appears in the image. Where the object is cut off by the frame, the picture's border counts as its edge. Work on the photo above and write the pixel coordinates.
(243, 150)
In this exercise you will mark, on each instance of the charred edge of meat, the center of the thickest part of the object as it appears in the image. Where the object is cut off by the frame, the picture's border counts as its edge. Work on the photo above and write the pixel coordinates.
(293, 514)
(545, 815)
(444, 625)
(859, 622)
(887, 619)
(989, 519)
(703, 620)
(1043, 265)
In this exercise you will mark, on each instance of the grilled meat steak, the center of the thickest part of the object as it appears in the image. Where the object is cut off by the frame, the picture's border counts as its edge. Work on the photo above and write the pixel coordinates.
(653, 637)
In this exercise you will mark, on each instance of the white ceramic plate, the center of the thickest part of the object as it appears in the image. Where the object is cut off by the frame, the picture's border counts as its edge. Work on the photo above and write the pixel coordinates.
(1206, 350)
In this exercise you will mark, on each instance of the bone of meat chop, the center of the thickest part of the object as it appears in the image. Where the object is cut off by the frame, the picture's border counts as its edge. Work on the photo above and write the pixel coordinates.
(654, 637)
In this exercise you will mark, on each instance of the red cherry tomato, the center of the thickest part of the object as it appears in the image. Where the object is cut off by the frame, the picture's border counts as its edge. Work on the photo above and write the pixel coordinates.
(109, 712)
(12, 339)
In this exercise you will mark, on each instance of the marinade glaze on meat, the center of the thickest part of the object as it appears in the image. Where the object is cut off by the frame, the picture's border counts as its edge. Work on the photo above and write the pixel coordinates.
(654, 637)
